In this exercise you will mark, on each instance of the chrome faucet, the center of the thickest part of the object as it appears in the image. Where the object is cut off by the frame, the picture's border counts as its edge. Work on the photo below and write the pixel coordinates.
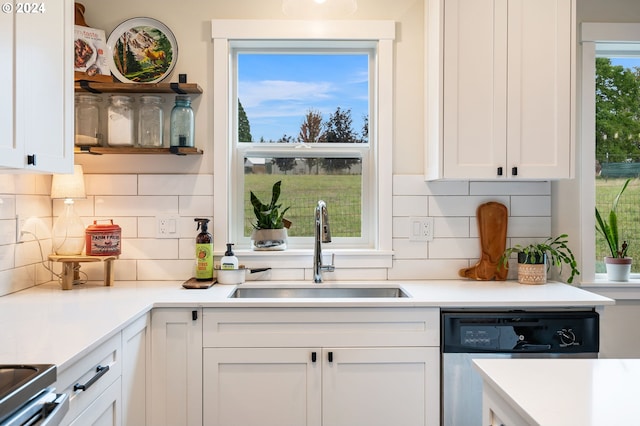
(322, 235)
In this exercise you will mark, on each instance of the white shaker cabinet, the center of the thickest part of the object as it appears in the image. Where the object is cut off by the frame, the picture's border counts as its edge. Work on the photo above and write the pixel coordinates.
(176, 367)
(36, 112)
(500, 89)
(314, 367)
(136, 353)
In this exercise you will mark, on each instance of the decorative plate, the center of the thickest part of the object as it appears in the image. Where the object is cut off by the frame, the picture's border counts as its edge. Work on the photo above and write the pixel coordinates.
(142, 50)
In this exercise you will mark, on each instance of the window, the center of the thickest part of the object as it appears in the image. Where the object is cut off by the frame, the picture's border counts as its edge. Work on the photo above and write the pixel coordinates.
(347, 166)
(605, 46)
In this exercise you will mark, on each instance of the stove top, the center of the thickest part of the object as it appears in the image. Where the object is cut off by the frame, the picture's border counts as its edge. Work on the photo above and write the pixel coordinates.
(19, 383)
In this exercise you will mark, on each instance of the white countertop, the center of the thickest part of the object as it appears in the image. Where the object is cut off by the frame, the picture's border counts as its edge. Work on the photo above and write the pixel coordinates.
(567, 392)
(45, 324)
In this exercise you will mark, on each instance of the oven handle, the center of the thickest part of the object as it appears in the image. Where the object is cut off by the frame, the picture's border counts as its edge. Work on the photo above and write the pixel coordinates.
(61, 407)
(100, 371)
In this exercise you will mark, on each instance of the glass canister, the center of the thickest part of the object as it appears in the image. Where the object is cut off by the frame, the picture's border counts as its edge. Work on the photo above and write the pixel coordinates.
(120, 117)
(182, 122)
(150, 121)
(87, 120)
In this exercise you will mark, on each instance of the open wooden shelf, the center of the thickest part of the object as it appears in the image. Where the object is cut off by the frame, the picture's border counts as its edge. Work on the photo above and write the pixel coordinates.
(142, 88)
(99, 150)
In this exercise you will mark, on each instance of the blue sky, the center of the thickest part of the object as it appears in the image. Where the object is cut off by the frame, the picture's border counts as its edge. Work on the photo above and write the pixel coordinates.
(277, 90)
(626, 62)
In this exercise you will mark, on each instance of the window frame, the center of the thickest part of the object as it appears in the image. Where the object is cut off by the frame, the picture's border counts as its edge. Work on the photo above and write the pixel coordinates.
(596, 38)
(229, 33)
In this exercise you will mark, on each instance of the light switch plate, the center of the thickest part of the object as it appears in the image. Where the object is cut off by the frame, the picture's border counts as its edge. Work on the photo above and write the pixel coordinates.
(421, 229)
(167, 226)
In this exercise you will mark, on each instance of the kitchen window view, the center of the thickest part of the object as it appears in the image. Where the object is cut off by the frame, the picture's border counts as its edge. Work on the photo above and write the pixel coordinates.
(618, 149)
(303, 119)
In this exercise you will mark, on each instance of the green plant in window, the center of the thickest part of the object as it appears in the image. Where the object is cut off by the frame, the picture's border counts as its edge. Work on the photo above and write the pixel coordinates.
(269, 216)
(609, 229)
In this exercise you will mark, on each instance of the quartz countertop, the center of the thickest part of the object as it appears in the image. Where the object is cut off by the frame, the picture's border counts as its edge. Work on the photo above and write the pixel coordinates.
(45, 324)
(567, 392)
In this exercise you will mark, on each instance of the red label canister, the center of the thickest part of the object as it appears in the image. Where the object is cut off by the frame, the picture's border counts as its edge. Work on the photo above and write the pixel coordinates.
(103, 240)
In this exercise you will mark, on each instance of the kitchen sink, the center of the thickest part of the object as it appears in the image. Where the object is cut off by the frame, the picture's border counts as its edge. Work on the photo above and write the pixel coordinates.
(317, 292)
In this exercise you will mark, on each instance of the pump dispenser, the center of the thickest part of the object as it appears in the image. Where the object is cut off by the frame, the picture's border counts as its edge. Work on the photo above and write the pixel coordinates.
(229, 261)
(204, 251)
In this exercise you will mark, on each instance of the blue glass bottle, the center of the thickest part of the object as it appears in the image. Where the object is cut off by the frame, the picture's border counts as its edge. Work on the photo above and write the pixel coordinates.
(182, 123)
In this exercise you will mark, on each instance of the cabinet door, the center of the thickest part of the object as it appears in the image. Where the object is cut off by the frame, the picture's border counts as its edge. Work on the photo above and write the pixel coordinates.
(136, 341)
(541, 88)
(176, 367)
(475, 84)
(380, 386)
(262, 387)
(104, 411)
(10, 154)
(44, 85)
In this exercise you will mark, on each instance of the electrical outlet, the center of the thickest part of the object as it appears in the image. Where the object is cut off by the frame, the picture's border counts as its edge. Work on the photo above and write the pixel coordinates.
(167, 226)
(20, 223)
(420, 229)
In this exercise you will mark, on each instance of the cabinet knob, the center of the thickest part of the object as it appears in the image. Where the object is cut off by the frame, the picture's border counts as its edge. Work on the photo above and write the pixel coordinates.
(194, 315)
(330, 356)
(514, 171)
(314, 356)
(31, 159)
(499, 171)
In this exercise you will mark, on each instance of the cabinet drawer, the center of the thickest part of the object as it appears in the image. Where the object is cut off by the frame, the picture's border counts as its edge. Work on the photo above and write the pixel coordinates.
(311, 327)
(85, 373)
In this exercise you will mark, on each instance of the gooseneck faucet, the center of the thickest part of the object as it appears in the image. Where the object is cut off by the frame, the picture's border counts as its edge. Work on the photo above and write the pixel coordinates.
(322, 235)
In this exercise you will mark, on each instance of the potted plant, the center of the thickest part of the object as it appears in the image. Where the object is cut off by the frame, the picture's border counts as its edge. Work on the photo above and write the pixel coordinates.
(535, 259)
(618, 264)
(270, 228)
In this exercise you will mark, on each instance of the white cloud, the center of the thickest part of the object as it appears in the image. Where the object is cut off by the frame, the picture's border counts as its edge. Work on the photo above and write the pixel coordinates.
(257, 94)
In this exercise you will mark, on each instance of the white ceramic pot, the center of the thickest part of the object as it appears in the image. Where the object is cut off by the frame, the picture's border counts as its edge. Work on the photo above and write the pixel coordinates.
(618, 268)
(269, 239)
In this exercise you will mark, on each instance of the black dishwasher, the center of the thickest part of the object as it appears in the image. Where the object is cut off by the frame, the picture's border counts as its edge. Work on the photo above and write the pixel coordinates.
(466, 335)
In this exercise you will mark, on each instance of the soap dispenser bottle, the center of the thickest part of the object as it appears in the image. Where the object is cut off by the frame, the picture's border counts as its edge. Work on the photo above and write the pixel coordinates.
(204, 251)
(229, 261)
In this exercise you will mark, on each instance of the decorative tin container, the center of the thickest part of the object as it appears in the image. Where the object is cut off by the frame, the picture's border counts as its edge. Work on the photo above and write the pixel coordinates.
(103, 240)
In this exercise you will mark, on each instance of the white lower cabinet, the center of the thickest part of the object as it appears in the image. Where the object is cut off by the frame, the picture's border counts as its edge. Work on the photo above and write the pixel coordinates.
(497, 411)
(93, 386)
(136, 350)
(176, 367)
(330, 367)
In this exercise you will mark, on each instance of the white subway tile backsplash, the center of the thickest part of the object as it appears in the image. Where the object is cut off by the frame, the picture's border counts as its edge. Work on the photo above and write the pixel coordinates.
(404, 205)
(510, 188)
(454, 248)
(461, 206)
(530, 206)
(135, 205)
(133, 202)
(111, 184)
(175, 184)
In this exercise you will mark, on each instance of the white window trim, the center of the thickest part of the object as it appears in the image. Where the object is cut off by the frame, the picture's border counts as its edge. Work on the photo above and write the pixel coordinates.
(595, 37)
(225, 31)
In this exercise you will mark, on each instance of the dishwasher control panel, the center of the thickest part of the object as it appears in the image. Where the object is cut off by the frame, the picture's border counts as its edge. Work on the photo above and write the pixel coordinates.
(513, 332)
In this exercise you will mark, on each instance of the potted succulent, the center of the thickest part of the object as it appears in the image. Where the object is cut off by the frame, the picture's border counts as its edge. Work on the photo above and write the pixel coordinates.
(535, 259)
(270, 228)
(618, 264)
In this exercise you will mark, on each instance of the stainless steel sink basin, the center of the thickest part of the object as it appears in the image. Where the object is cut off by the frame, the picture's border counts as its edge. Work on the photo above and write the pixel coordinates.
(317, 292)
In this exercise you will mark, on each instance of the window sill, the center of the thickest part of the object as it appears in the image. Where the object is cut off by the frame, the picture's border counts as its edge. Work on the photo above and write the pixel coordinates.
(629, 290)
(303, 258)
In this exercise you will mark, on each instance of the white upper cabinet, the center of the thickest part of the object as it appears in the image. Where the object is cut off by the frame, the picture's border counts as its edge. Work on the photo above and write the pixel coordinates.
(500, 89)
(36, 116)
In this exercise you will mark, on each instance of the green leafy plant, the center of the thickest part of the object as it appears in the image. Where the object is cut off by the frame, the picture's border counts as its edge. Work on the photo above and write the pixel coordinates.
(556, 250)
(269, 215)
(609, 230)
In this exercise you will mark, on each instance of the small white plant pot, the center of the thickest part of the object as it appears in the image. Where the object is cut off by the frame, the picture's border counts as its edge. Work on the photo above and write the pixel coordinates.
(618, 268)
(269, 239)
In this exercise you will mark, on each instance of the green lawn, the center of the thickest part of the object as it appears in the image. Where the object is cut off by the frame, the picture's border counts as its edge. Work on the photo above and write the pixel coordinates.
(342, 193)
(628, 218)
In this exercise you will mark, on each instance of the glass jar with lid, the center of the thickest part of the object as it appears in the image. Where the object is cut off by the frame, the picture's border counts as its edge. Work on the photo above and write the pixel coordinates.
(150, 121)
(120, 118)
(182, 123)
(87, 120)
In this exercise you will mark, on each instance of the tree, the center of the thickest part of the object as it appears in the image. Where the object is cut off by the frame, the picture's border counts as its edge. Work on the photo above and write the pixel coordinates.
(338, 129)
(617, 112)
(311, 132)
(286, 163)
(244, 128)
